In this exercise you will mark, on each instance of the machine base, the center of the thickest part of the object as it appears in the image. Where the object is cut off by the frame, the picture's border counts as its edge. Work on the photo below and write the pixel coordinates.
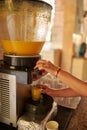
(63, 117)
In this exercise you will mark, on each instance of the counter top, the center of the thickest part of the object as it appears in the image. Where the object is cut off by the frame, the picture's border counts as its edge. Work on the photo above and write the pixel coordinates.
(63, 116)
(79, 117)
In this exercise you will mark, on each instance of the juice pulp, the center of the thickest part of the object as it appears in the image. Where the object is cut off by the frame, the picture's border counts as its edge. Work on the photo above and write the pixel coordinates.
(22, 47)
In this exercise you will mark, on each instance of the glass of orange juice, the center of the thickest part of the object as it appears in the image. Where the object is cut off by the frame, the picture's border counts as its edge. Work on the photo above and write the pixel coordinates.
(36, 92)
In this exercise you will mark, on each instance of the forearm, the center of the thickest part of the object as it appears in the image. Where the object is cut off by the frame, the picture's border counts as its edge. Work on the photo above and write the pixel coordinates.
(67, 92)
(75, 84)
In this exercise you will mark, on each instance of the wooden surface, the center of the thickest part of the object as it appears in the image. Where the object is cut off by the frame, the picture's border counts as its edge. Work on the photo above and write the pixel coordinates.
(79, 117)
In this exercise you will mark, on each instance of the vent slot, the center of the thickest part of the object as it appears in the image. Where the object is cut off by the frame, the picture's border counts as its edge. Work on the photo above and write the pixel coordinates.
(4, 98)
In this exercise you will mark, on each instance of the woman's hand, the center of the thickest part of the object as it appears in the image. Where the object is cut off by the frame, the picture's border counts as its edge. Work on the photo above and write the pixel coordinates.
(47, 66)
(46, 90)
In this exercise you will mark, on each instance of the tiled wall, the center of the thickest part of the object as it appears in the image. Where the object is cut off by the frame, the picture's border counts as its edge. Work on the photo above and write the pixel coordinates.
(53, 55)
(58, 24)
(64, 25)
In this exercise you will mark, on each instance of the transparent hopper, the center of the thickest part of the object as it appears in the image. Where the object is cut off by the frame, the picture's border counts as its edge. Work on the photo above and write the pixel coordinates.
(24, 26)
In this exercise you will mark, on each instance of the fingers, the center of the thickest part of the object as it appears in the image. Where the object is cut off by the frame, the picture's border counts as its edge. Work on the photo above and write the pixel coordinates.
(42, 64)
(38, 65)
(44, 88)
(47, 91)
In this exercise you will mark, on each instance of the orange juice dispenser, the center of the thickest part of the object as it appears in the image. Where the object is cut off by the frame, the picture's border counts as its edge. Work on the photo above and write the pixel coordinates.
(24, 26)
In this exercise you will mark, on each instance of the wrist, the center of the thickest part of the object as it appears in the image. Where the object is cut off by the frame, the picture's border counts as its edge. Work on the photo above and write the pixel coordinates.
(57, 72)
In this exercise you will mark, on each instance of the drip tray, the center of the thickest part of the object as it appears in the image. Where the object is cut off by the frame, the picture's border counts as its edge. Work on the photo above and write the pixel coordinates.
(63, 117)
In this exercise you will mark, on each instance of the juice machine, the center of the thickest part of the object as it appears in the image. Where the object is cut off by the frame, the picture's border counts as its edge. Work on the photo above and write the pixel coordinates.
(23, 28)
